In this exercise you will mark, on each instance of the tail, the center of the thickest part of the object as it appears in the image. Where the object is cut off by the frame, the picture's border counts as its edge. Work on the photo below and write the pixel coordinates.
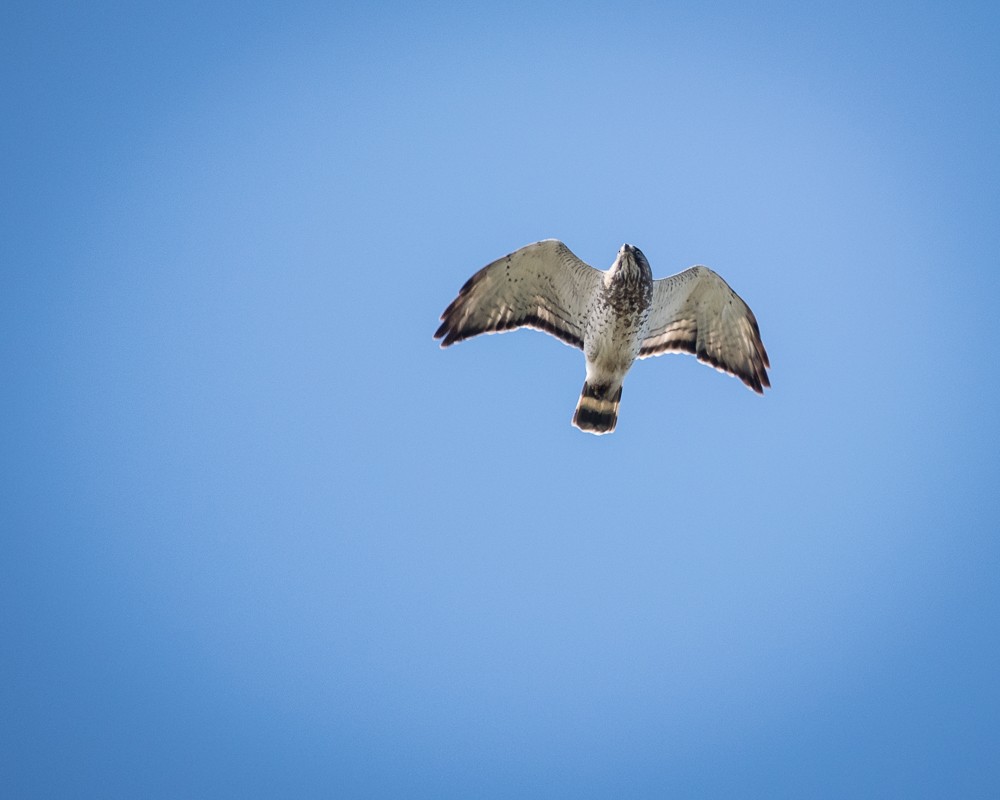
(597, 411)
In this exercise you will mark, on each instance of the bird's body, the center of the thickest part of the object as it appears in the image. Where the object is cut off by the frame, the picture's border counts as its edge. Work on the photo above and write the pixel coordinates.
(612, 337)
(615, 317)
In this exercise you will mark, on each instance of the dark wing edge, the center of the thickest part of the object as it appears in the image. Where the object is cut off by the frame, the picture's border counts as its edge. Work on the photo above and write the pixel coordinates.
(727, 338)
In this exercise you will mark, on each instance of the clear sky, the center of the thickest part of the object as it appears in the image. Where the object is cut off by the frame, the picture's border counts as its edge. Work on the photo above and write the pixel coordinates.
(263, 538)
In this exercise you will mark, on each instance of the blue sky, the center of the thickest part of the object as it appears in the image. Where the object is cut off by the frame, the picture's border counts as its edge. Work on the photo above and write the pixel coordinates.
(264, 538)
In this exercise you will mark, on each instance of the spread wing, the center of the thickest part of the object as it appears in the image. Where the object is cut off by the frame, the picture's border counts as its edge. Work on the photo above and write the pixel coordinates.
(542, 286)
(696, 312)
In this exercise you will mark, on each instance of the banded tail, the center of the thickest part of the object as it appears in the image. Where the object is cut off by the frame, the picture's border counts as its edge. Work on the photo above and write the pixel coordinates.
(597, 411)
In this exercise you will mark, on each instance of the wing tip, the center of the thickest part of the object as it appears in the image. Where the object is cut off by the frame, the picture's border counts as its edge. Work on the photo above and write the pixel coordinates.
(447, 336)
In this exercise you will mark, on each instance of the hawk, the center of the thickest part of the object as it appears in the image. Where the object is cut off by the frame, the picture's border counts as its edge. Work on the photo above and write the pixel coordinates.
(614, 317)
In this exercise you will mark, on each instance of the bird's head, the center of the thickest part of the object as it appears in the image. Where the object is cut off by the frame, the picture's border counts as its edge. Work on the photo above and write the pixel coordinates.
(631, 262)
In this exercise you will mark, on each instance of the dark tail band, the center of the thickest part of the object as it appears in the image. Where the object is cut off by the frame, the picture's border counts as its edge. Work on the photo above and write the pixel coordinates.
(597, 411)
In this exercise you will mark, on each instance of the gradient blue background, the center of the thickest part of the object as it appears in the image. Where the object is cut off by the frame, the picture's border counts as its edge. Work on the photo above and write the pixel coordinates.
(261, 537)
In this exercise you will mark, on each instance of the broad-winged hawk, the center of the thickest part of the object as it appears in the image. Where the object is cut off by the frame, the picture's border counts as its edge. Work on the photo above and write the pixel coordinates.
(614, 317)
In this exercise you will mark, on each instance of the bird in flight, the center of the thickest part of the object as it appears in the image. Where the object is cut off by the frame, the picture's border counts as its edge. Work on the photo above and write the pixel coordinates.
(614, 317)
